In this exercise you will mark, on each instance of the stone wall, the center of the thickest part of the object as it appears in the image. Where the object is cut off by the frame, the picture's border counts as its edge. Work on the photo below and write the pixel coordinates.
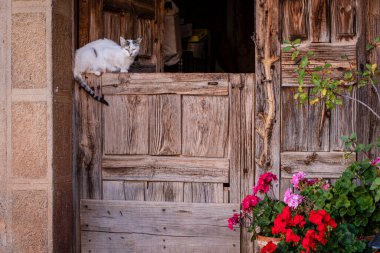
(36, 48)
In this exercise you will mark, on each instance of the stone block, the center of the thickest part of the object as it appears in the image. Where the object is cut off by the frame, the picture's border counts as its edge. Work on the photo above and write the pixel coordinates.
(29, 139)
(29, 50)
(29, 221)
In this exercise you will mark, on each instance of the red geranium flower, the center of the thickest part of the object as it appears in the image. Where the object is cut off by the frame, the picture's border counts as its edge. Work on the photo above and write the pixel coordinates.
(269, 248)
(249, 201)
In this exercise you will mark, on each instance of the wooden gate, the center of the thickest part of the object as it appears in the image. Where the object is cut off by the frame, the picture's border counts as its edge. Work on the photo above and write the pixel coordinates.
(166, 164)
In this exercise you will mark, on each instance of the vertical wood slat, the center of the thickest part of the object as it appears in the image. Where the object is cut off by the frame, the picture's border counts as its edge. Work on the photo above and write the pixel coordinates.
(165, 125)
(84, 22)
(247, 169)
(126, 129)
(173, 191)
(267, 91)
(320, 21)
(96, 20)
(113, 190)
(368, 128)
(158, 35)
(205, 126)
(90, 147)
(295, 19)
(207, 193)
(318, 128)
(112, 26)
(134, 190)
(343, 21)
(294, 122)
(234, 132)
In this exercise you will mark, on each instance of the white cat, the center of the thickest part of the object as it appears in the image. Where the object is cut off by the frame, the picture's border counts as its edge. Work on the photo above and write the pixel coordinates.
(102, 56)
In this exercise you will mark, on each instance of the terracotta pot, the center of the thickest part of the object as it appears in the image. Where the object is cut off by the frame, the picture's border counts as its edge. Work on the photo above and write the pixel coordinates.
(263, 240)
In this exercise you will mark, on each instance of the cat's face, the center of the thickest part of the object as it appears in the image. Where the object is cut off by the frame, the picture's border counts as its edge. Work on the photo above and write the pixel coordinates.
(131, 47)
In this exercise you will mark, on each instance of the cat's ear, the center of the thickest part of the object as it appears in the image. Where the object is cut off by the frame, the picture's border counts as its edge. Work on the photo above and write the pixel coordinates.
(122, 41)
(138, 40)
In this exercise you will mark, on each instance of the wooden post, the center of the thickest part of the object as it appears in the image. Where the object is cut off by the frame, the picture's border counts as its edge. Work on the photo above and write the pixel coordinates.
(268, 70)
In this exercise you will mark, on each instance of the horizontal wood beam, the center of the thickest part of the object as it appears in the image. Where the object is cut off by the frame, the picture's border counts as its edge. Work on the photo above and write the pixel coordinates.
(141, 8)
(190, 220)
(314, 164)
(158, 168)
(152, 83)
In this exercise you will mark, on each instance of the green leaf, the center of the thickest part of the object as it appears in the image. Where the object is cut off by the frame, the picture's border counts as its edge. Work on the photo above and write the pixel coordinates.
(327, 65)
(296, 42)
(377, 39)
(370, 47)
(348, 75)
(295, 54)
(318, 68)
(286, 42)
(287, 49)
(304, 61)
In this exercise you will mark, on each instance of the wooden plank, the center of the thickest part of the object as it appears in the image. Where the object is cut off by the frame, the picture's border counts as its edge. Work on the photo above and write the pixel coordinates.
(343, 25)
(187, 192)
(135, 83)
(111, 26)
(134, 190)
(89, 129)
(156, 168)
(158, 36)
(154, 191)
(295, 19)
(165, 125)
(103, 242)
(318, 127)
(247, 168)
(205, 126)
(342, 123)
(294, 122)
(173, 191)
(324, 52)
(113, 190)
(84, 23)
(207, 193)
(267, 90)
(143, 28)
(158, 218)
(126, 128)
(96, 20)
(319, 21)
(141, 8)
(314, 164)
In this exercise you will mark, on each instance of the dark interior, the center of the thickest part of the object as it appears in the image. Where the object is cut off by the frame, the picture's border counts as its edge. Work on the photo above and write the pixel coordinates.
(227, 47)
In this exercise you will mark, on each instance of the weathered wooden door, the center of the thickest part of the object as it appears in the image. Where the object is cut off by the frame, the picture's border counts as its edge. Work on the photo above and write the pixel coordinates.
(166, 164)
(304, 137)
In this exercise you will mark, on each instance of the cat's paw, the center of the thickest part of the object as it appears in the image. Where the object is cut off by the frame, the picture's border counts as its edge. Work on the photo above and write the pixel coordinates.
(124, 71)
(116, 70)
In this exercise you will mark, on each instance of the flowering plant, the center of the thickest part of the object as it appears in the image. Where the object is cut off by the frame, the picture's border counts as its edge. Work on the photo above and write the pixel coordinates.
(260, 208)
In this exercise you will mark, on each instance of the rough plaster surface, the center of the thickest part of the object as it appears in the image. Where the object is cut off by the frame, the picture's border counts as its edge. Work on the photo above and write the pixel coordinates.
(30, 221)
(29, 50)
(29, 139)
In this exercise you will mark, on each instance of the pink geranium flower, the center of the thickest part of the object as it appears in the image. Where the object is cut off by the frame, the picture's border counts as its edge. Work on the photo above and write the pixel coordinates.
(291, 199)
(299, 176)
(234, 220)
(376, 162)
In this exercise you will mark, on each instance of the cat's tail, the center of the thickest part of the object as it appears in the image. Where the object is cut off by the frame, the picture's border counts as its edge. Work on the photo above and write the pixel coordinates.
(88, 89)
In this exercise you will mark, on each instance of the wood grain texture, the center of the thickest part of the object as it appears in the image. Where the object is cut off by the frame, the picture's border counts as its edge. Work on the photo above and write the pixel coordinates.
(173, 191)
(156, 168)
(165, 125)
(295, 19)
(159, 218)
(134, 190)
(111, 26)
(294, 122)
(103, 242)
(140, 8)
(154, 191)
(158, 83)
(234, 135)
(88, 125)
(126, 128)
(205, 126)
(84, 23)
(96, 20)
(314, 164)
(207, 193)
(267, 90)
(343, 26)
(320, 21)
(324, 52)
(113, 190)
(318, 127)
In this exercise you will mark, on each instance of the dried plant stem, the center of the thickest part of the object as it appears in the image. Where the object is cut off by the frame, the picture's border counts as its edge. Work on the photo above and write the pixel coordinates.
(362, 103)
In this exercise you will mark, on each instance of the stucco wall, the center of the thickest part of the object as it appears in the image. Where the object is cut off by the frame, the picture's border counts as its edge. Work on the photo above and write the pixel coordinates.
(35, 125)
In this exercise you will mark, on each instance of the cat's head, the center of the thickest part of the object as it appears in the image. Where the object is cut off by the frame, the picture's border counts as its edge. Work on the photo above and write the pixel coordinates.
(132, 47)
